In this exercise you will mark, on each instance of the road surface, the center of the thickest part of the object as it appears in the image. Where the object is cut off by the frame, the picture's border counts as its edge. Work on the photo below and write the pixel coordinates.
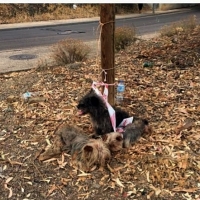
(28, 45)
(48, 35)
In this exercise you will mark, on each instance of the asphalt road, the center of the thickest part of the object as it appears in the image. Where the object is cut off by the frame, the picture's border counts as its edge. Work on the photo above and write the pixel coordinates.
(47, 35)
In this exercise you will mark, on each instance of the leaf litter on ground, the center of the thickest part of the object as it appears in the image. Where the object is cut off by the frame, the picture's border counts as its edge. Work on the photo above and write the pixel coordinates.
(164, 164)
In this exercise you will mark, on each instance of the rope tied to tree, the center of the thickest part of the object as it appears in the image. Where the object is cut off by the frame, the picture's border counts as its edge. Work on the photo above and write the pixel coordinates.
(99, 28)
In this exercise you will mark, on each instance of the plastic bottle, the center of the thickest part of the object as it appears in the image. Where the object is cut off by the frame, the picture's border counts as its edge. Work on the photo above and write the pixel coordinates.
(120, 92)
(27, 95)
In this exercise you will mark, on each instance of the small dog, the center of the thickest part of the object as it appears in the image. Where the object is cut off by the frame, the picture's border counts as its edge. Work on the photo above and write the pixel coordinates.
(85, 152)
(116, 141)
(94, 105)
(133, 131)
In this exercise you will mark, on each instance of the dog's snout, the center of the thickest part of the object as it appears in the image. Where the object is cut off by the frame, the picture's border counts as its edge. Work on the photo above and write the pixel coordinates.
(79, 106)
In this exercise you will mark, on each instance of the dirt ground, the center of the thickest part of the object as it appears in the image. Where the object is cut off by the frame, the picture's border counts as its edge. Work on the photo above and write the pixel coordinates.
(164, 165)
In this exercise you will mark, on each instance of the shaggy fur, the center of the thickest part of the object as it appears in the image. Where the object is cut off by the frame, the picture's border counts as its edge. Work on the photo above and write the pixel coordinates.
(94, 105)
(85, 152)
(116, 141)
(135, 130)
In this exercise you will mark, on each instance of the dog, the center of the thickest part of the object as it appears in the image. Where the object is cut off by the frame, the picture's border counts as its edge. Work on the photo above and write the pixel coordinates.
(114, 140)
(85, 152)
(135, 130)
(94, 105)
(132, 132)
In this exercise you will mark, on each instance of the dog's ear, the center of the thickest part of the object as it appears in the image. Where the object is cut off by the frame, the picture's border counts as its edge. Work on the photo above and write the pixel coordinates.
(95, 101)
(119, 138)
(88, 148)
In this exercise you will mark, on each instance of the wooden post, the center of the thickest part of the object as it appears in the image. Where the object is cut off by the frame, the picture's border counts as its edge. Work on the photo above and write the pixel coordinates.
(107, 19)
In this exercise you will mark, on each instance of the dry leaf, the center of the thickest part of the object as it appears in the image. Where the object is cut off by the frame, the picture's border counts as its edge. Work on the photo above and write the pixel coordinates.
(8, 179)
(156, 190)
(53, 187)
(119, 183)
(147, 174)
(10, 191)
(179, 189)
(84, 174)
(111, 170)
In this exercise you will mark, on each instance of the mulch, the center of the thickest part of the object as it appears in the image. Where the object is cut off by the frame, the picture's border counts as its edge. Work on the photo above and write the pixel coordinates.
(162, 165)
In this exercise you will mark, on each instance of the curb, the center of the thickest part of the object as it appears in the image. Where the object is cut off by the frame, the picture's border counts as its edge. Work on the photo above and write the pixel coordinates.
(82, 20)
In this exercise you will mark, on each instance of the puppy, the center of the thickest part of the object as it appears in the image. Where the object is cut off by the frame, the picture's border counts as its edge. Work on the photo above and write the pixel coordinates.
(133, 131)
(85, 152)
(95, 106)
(116, 141)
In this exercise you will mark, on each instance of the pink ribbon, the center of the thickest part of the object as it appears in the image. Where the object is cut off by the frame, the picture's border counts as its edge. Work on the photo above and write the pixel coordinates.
(105, 98)
(111, 111)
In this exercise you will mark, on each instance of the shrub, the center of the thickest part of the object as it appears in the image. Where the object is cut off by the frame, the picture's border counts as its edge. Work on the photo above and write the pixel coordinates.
(124, 36)
(18, 12)
(184, 26)
(69, 51)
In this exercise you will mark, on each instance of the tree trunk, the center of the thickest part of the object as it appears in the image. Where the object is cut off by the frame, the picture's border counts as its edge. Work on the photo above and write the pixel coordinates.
(107, 18)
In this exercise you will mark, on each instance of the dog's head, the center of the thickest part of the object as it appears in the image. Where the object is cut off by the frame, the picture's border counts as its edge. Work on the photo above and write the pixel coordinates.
(90, 102)
(114, 141)
(95, 152)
